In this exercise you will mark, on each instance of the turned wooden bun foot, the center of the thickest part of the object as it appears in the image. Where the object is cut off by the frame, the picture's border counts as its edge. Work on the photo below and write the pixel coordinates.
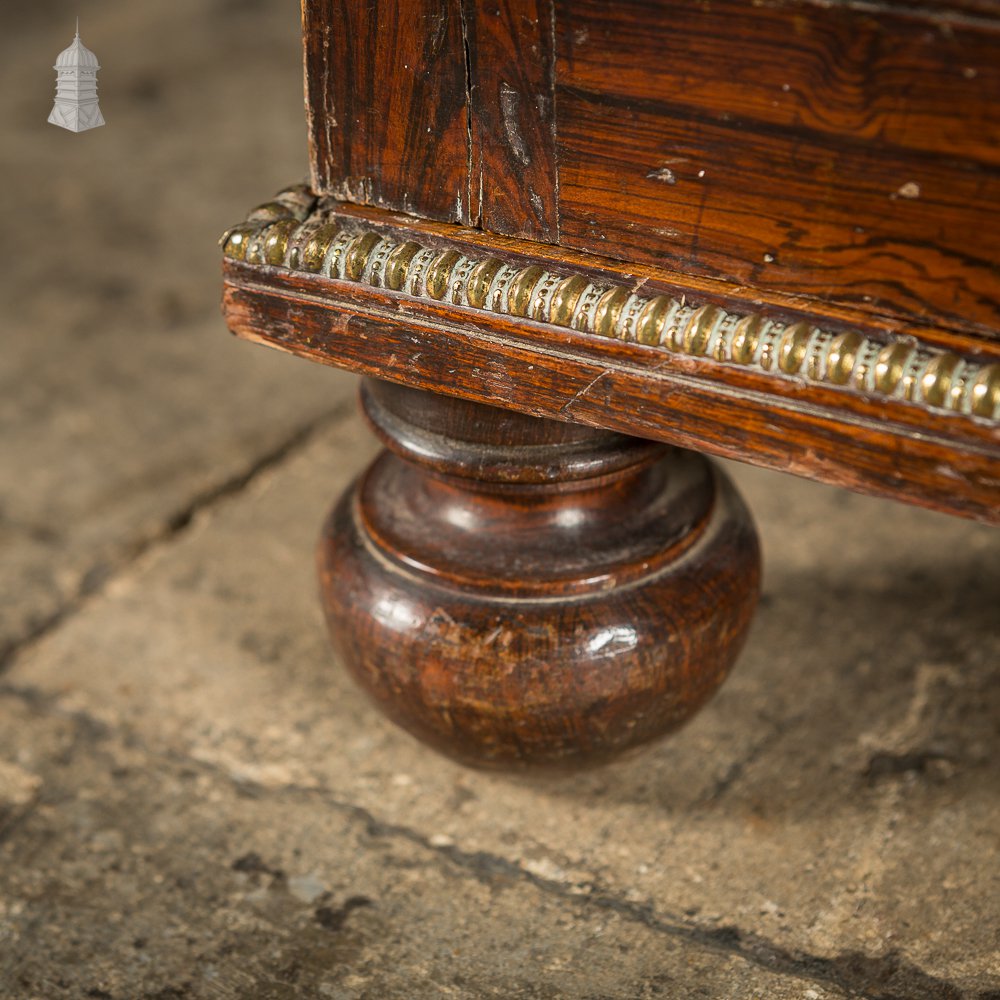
(520, 592)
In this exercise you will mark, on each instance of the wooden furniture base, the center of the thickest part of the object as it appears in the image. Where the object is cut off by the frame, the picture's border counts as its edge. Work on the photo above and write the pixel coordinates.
(768, 232)
(518, 591)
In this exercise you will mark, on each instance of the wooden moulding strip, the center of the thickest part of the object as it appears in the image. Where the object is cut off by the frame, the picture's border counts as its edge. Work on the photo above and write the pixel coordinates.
(938, 411)
(288, 233)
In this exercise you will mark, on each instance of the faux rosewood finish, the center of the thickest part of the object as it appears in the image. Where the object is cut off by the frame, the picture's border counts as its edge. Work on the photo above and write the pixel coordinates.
(512, 161)
(769, 231)
(524, 592)
(386, 103)
(452, 310)
(406, 102)
(845, 153)
(849, 155)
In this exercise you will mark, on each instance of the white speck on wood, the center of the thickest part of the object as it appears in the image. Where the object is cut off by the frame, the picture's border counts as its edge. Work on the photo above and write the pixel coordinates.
(664, 174)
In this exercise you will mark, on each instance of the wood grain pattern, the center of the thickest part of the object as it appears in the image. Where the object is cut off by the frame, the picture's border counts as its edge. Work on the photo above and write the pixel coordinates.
(386, 104)
(767, 231)
(512, 93)
(776, 300)
(521, 592)
(881, 75)
(842, 154)
(811, 149)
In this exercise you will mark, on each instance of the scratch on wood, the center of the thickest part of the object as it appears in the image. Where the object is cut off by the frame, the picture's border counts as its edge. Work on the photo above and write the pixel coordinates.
(441, 613)
(492, 637)
(577, 396)
(510, 107)
(537, 204)
(469, 166)
(664, 174)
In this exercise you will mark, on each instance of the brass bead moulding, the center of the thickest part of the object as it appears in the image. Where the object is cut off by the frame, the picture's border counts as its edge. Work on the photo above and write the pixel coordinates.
(287, 232)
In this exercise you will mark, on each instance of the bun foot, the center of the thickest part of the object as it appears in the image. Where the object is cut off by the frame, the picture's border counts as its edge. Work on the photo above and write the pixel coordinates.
(525, 593)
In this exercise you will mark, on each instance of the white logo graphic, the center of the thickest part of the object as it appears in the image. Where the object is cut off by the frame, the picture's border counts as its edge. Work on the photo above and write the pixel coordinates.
(76, 106)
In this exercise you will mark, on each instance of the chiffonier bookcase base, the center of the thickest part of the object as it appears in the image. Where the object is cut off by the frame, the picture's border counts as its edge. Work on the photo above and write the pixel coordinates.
(573, 248)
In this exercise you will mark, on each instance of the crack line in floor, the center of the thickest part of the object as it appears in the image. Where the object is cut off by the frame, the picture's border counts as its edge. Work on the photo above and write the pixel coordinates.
(854, 973)
(850, 972)
(96, 580)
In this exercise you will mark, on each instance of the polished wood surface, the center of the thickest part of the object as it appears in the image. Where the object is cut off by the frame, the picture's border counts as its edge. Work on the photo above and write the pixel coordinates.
(844, 154)
(522, 592)
(511, 66)
(386, 104)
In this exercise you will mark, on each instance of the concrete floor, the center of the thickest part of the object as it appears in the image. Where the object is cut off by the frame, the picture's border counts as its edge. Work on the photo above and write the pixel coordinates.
(194, 800)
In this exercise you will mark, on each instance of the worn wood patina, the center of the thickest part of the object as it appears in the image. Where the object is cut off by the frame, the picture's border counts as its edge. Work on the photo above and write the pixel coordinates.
(552, 234)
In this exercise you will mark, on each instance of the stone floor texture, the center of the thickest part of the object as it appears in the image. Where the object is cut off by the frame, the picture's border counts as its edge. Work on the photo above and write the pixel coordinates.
(195, 802)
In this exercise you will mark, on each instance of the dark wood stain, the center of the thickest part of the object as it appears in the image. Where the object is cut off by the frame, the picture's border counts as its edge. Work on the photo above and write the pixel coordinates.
(809, 148)
(886, 448)
(534, 572)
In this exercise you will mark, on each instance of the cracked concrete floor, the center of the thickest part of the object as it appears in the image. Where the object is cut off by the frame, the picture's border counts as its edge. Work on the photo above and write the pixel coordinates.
(194, 800)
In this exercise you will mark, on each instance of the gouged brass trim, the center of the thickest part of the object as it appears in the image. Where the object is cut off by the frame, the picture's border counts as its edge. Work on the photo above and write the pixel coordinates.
(792, 351)
(270, 211)
(276, 244)
(937, 378)
(313, 252)
(746, 336)
(237, 239)
(478, 288)
(356, 257)
(652, 319)
(608, 311)
(565, 298)
(698, 331)
(890, 366)
(287, 232)
(986, 391)
(842, 357)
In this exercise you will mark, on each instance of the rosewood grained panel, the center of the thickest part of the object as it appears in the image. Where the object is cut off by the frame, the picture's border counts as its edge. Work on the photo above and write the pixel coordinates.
(891, 74)
(566, 378)
(512, 94)
(386, 104)
(847, 155)
(765, 231)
